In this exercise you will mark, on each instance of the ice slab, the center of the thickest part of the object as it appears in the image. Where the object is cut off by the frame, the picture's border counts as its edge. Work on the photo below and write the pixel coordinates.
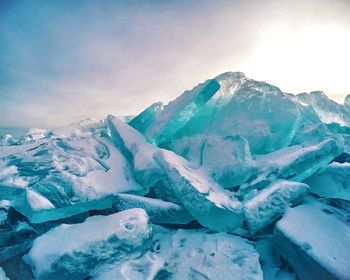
(297, 162)
(209, 203)
(178, 112)
(270, 203)
(141, 153)
(227, 159)
(75, 251)
(159, 211)
(147, 117)
(315, 240)
(332, 181)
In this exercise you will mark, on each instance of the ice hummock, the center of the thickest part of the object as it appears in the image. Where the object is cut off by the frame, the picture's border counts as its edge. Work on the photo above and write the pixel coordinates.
(64, 175)
(267, 117)
(243, 155)
(173, 179)
(77, 250)
(177, 113)
(141, 153)
(230, 104)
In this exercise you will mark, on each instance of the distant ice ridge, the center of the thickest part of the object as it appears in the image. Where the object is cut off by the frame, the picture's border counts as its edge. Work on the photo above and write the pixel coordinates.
(233, 179)
(232, 104)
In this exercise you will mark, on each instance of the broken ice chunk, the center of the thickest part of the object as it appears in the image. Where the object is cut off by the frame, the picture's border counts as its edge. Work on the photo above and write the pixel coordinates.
(15, 231)
(191, 254)
(178, 112)
(271, 202)
(147, 117)
(315, 240)
(297, 163)
(332, 181)
(159, 211)
(226, 159)
(140, 152)
(210, 204)
(75, 251)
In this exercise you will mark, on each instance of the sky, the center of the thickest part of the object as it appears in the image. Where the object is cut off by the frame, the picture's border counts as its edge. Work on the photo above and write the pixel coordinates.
(64, 61)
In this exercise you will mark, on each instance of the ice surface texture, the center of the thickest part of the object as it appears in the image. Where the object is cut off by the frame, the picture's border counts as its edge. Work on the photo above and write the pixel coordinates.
(191, 254)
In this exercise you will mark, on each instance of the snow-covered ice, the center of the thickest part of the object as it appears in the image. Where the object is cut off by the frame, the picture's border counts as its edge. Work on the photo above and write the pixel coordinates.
(270, 203)
(76, 251)
(315, 239)
(191, 254)
(210, 204)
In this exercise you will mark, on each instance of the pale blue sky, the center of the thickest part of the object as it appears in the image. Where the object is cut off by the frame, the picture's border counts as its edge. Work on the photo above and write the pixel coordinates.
(62, 61)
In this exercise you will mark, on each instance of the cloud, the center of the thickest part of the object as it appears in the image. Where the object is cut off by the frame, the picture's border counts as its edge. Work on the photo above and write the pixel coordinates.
(62, 61)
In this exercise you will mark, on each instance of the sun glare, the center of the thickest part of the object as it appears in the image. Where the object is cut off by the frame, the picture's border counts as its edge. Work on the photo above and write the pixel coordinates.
(305, 59)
